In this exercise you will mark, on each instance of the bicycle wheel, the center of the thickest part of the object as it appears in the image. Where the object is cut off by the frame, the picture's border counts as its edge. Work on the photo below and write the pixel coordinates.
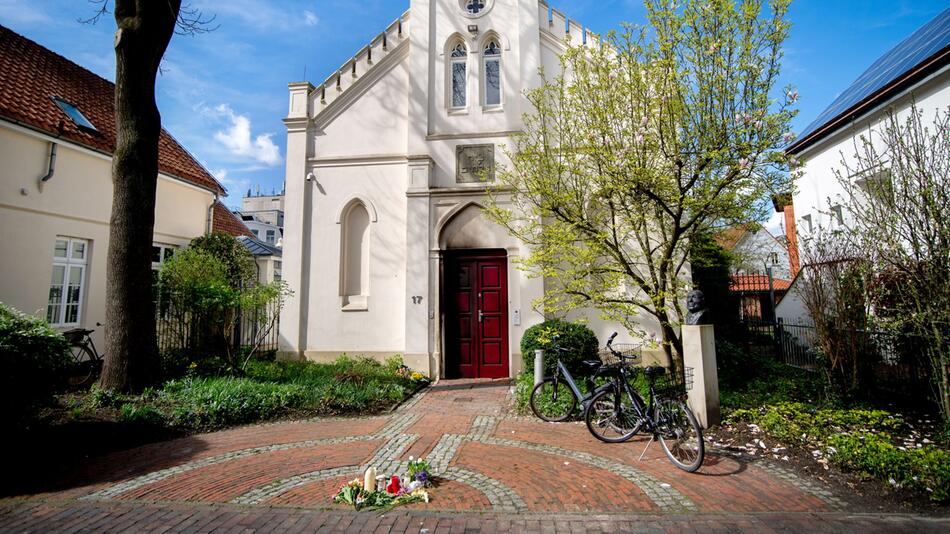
(86, 367)
(553, 404)
(680, 435)
(611, 418)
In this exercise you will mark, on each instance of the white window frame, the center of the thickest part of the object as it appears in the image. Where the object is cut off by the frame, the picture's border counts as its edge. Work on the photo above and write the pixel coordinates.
(270, 236)
(453, 61)
(68, 263)
(484, 85)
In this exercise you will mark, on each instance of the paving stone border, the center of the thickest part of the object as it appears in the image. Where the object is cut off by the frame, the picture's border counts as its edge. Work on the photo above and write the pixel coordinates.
(266, 492)
(501, 497)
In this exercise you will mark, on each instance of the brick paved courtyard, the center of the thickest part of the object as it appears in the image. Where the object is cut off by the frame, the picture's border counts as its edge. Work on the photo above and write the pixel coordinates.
(497, 472)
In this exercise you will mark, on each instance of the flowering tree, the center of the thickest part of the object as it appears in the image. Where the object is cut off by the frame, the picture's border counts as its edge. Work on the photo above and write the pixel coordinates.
(644, 141)
(897, 194)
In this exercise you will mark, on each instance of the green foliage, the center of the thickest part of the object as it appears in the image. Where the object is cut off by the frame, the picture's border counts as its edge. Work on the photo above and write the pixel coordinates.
(636, 147)
(34, 358)
(923, 469)
(139, 414)
(103, 398)
(215, 402)
(800, 424)
(751, 380)
(238, 262)
(577, 338)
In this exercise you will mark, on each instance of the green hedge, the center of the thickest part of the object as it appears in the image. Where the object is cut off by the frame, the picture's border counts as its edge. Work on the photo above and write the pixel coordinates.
(34, 358)
(580, 340)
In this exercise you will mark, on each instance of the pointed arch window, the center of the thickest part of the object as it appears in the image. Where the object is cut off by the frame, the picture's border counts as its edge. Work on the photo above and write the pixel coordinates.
(458, 65)
(492, 73)
(354, 257)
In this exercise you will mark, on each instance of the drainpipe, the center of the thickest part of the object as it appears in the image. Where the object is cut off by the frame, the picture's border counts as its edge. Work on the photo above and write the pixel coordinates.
(210, 215)
(51, 169)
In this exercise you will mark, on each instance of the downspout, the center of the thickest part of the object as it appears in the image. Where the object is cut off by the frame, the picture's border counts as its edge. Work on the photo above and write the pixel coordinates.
(210, 215)
(51, 169)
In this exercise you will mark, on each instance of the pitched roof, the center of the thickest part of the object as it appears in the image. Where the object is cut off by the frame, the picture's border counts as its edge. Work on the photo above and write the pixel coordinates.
(259, 248)
(914, 58)
(755, 283)
(223, 220)
(31, 76)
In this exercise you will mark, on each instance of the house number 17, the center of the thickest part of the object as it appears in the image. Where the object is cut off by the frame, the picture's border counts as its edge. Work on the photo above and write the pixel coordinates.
(417, 299)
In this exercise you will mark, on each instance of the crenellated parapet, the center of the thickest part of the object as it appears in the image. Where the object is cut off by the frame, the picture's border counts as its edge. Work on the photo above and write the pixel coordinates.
(557, 25)
(393, 38)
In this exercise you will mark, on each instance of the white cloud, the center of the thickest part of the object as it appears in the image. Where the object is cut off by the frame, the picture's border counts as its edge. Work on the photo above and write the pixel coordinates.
(237, 139)
(310, 18)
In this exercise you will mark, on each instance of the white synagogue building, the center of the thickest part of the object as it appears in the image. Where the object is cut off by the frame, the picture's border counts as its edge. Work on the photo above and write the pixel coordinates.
(385, 245)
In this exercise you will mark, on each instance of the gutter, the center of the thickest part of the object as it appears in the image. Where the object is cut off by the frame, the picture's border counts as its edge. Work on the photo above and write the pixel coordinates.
(210, 215)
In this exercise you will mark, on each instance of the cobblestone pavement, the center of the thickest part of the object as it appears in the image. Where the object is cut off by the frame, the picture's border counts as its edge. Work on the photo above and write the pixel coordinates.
(518, 474)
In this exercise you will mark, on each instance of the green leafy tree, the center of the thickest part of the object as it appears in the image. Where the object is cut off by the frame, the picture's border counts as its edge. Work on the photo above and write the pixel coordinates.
(643, 141)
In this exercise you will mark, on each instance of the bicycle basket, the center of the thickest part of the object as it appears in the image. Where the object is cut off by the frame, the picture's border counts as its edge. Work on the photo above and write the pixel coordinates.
(674, 386)
(75, 336)
(629, 353)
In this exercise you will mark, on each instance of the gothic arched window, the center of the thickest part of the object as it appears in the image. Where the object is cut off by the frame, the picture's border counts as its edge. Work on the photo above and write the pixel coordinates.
(458, 65)
(354, 257)
(492, 73)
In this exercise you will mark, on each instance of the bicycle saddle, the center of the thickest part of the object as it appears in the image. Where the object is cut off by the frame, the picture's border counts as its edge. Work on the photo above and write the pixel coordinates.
(654, 370)
(592, 365)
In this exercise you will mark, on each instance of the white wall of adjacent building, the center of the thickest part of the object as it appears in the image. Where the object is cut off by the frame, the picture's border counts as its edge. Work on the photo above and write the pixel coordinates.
(74, 204)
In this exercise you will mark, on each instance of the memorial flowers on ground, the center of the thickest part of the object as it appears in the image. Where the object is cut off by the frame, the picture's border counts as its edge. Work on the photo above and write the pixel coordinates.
(382, 492)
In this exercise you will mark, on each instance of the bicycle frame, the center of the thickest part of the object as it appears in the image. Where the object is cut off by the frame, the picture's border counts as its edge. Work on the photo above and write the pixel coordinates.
(569, 380)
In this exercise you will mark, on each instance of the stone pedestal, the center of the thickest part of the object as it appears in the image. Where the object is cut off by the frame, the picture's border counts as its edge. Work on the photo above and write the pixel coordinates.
(699, 352)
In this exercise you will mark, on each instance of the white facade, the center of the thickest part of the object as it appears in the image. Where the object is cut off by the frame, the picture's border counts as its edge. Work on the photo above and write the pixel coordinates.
(818, 191)
(756, 250)
(383, 207)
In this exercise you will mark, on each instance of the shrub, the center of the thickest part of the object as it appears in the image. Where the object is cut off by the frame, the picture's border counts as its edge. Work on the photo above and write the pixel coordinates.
(34, 358)
(141, 415)
(214, 402)
(799, 424)
(925, 468)
(577, 338)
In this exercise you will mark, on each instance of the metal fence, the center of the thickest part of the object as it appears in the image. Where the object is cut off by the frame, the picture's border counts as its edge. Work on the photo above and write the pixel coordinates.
(183, 329)
(791, 344)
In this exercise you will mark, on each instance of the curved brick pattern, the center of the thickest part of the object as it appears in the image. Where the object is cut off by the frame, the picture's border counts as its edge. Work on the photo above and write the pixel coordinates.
(548, 483)
(502, 498)
(829, 498)
(225, 481)
(662, 494)
(317, 493)
(273, 490)
(386, 459)
(443, 452)
(156, 476)
(483, 427)
(722, 484)
(452, 494)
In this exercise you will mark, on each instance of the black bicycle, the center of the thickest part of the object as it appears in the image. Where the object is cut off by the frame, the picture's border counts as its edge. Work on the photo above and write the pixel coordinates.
(617, 412)
(87, 362)
(555, 398)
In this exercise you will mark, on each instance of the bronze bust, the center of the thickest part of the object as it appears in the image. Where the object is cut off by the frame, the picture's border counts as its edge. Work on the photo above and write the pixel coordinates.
(698, 312)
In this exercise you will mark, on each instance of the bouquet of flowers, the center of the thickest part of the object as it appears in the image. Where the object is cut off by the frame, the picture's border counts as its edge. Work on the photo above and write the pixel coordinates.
(398, 491)
(419, 472)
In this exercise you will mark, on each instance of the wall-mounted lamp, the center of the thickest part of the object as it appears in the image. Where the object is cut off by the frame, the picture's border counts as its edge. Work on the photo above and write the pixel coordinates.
(473, 29)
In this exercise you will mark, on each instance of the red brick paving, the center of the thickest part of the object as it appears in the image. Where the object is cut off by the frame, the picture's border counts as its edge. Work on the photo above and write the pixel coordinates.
(225, 481)
(723, 484)
(552, 483)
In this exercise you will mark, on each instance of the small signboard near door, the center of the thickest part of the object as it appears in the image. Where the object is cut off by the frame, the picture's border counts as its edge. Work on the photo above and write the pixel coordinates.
(476, 313)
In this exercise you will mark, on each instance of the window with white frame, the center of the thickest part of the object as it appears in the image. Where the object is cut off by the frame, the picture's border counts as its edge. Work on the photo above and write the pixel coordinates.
(806, 223)
(837, 217)
(277, 270)
(160, 254)
(492, 74)
(270, 236)
(458, 65)
(70, 257)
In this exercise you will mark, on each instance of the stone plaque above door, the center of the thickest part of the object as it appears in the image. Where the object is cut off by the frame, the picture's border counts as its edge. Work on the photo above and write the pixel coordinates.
(474, 163)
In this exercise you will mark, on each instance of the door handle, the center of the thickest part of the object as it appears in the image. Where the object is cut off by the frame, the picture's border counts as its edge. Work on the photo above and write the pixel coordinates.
(480, 314)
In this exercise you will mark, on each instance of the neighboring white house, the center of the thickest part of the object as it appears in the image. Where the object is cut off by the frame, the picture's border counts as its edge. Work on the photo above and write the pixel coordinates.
(57, 136)
(386, 247)
(916, 70)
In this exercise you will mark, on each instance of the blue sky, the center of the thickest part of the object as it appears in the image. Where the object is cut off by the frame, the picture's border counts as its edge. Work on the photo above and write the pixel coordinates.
(223, 94)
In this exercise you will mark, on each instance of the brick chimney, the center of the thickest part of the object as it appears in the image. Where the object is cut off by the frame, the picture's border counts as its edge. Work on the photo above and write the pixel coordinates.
(783, 204)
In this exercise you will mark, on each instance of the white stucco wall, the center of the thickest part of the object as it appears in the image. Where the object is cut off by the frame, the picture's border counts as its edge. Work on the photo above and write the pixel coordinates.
(75, 203)
(818, 188)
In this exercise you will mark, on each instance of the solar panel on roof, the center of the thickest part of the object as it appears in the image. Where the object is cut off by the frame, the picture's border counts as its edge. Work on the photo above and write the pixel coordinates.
(920, 45)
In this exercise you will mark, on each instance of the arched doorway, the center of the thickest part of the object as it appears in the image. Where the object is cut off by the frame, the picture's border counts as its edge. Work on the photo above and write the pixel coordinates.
(474, 290)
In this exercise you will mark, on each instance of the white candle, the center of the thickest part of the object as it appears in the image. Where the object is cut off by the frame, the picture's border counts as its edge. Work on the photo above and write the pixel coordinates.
(369, 479)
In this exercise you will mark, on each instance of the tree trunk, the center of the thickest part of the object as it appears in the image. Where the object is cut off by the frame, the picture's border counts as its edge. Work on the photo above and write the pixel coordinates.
(144, 31)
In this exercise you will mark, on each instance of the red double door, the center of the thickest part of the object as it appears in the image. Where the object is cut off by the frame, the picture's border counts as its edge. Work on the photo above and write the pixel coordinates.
(476, 299)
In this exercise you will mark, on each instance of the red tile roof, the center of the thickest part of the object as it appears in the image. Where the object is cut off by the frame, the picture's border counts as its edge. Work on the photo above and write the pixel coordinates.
(223, 220)
(756, 282)
(30, 76)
